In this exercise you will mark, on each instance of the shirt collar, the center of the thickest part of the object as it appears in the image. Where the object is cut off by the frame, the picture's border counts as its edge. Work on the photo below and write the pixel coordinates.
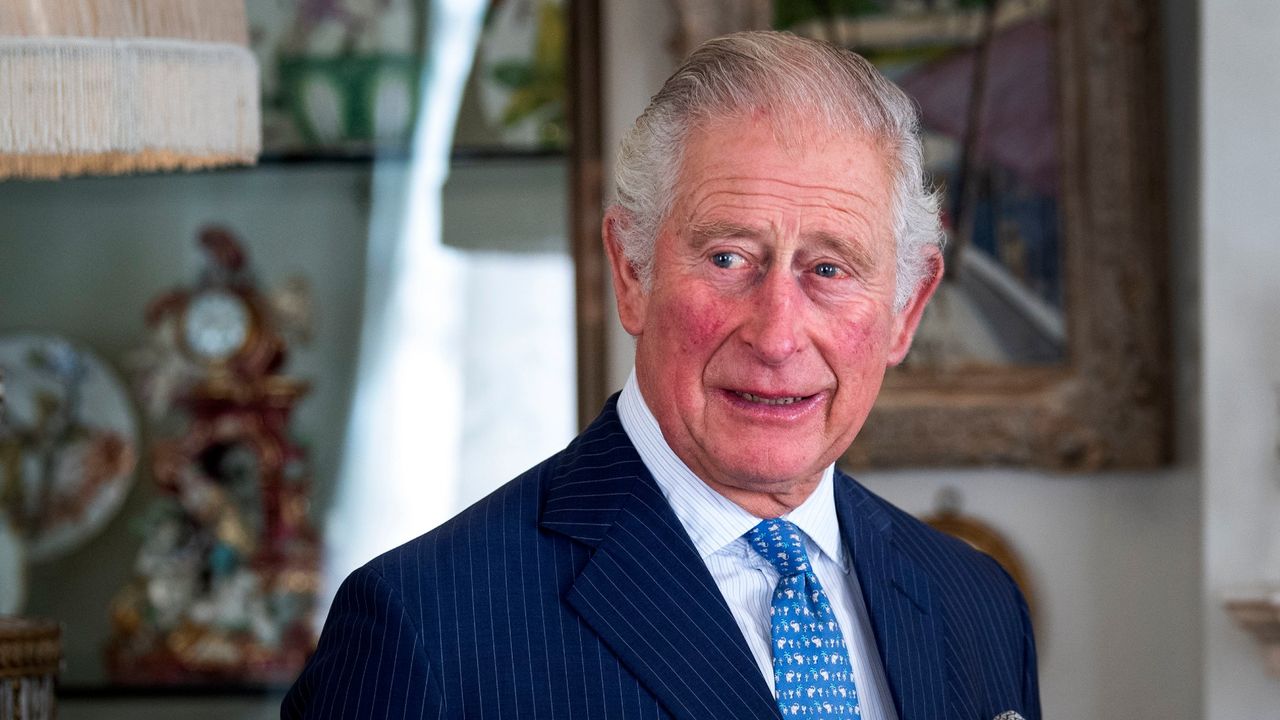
(712, 520)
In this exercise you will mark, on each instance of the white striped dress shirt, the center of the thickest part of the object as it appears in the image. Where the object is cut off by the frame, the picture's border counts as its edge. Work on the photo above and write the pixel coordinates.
(717, 525)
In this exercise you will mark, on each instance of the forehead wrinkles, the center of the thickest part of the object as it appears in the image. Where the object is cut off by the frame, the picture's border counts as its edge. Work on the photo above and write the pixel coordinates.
(794, 201)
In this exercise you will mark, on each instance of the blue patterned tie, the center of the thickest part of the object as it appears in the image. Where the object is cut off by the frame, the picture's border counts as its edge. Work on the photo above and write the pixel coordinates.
(811, 669)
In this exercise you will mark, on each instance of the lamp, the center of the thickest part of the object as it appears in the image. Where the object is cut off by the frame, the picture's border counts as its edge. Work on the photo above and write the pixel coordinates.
(109, 87)
(116, 86)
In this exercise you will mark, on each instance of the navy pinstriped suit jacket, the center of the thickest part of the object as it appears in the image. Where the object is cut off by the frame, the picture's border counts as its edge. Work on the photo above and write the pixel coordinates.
(574, 592)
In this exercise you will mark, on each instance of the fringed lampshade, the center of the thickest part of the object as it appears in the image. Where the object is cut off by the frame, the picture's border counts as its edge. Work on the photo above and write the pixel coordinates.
(115, 86)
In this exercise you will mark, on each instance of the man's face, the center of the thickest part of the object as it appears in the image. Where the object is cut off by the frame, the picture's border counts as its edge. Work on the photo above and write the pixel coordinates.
(766, 332)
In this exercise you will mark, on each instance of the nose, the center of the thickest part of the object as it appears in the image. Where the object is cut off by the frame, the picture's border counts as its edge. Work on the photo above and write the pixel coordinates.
(775, 329)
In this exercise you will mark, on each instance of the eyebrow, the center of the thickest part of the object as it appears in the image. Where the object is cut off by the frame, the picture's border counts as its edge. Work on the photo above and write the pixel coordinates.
(858, 255)
(703, 234)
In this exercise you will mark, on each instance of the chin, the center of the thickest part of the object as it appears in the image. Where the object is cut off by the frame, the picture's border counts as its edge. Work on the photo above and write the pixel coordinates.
(773, 474)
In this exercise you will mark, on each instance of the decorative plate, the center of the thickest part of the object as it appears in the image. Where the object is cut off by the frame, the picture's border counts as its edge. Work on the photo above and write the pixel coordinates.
(68, 444)
(13, 577)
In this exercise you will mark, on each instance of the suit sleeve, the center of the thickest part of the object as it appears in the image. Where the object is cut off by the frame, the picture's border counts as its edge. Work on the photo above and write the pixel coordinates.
(370, 661)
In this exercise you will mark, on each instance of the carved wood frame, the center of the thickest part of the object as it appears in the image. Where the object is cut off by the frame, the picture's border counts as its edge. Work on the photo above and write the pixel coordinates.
(1109, 404)
(586, 205)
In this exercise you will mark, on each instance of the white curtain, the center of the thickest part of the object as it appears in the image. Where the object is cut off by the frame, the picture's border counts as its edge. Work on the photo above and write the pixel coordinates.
(400, 466)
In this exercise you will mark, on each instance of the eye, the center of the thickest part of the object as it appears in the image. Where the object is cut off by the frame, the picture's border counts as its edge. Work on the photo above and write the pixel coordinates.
(827, 270)
(726, 260)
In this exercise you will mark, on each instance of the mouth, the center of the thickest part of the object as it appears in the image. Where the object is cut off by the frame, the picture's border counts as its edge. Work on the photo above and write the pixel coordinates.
(762, 406)
(763, 400)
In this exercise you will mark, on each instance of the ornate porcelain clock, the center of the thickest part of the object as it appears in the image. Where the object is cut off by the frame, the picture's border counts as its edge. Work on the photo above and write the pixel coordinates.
(226, 578)
(216, 324)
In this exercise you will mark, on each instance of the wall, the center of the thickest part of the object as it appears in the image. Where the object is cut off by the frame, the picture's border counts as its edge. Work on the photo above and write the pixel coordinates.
(1115, 557)
(1239, 114)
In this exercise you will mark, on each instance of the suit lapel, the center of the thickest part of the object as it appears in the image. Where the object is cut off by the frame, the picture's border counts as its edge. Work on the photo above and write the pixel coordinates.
(901, 601)
(645, 591)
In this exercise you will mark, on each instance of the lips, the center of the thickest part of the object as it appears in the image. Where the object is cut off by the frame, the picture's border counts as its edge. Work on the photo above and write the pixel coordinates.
(764, 400)
(782, 406)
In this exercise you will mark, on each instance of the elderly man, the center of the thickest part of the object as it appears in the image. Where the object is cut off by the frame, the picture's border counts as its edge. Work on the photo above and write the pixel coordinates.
(694, 553)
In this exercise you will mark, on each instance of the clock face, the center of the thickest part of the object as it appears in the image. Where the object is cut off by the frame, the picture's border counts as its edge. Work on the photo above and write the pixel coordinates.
(216, 325)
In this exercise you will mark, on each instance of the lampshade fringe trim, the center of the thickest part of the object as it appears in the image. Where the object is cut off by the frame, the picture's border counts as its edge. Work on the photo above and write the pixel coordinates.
(109, 105)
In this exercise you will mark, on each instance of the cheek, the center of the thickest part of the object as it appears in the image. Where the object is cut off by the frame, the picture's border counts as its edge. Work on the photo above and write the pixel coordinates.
(861, 348)
(859, 362)
(695, 326)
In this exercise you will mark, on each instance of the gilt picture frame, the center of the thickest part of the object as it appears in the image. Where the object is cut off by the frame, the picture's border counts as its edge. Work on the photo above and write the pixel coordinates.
(1106, 403)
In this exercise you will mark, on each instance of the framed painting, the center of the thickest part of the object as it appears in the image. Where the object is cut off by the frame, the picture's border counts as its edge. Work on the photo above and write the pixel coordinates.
(514, 102)
(1048, 344)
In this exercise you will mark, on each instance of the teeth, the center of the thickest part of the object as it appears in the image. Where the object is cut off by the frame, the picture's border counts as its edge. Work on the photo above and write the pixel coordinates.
(768, 401)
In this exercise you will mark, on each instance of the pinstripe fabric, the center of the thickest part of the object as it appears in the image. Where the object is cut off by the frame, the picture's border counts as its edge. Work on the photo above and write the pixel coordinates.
(574, 592)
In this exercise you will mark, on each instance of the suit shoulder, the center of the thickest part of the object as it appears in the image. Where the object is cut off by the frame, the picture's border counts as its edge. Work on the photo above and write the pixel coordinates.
(515, 509)
(511, 508)
(962, 569)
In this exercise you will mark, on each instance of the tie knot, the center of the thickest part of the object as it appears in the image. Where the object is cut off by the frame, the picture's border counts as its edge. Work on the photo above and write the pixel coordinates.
(781, 543)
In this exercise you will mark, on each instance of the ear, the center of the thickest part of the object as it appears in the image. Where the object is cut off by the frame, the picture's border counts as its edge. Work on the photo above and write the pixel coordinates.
(907, 320)
(628, 289)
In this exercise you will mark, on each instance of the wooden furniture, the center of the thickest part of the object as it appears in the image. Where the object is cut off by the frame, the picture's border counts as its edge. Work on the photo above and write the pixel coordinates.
(30, 657)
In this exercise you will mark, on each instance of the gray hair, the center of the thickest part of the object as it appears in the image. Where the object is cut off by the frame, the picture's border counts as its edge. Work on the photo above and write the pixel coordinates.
(732, 75)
